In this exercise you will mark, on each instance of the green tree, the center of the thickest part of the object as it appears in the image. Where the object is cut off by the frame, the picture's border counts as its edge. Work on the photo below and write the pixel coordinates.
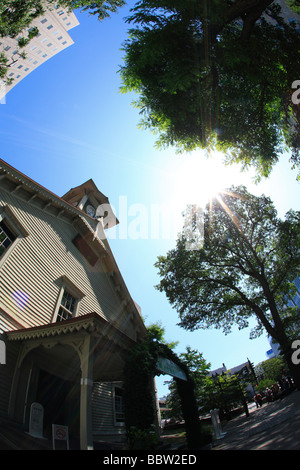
(216, 74)
(272, 369)
(224, 392)
(156, 332)
(198, 370)
(16, 15)
(196, 364)
(245, 268)
(6, 63)
(294, 5)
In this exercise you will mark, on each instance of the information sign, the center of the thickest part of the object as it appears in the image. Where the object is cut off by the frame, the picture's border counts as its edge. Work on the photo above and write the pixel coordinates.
(60, 433)
(169, 367)
(36, 420)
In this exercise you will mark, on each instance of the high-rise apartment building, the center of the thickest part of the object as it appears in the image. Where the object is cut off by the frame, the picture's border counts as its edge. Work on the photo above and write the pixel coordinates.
(288, 14)
(53, 37)
(292, 302)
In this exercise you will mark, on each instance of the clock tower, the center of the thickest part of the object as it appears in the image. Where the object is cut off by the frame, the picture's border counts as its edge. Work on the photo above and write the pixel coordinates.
(92, 202)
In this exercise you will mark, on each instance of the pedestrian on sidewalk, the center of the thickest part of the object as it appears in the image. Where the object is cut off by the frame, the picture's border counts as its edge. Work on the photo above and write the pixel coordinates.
(258, 400)
(269, 396)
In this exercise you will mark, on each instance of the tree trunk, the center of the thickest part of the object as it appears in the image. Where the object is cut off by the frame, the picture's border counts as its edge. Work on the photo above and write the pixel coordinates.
(293, 368)
(247, 7)
(190, 413)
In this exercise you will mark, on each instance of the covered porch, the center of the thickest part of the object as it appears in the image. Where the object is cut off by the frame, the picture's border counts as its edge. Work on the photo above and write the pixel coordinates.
(57, 366)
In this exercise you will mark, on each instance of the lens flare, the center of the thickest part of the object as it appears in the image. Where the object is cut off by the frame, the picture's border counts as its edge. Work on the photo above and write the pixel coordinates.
(21, 299)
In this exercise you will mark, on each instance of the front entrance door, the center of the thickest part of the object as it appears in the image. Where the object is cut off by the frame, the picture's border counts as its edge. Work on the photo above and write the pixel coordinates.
(61, 401)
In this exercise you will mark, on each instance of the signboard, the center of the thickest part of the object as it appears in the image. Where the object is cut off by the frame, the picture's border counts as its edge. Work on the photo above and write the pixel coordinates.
(169, 367)
(270, 353)
(60, 433)
(36, 420)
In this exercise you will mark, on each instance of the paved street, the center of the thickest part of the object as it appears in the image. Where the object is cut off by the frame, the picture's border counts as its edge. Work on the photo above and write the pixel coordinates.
(275, 426)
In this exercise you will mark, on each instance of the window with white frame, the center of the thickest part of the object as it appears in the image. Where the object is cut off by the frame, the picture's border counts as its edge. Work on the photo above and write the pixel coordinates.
(119, 406)
(67, 306)
(11, 232)
(7, 237)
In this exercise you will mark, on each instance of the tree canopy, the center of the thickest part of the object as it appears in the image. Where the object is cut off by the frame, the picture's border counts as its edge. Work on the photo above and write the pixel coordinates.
(216, 74)
(294, 5)
(271, 370)
(245, 268)
(198, 370)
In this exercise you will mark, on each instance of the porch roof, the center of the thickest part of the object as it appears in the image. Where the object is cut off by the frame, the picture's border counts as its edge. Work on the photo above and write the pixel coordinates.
(92, 323)
(109, 345)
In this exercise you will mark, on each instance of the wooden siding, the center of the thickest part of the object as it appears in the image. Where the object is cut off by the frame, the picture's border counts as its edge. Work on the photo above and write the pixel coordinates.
(30, 279)
(103, 412)
(5, 323)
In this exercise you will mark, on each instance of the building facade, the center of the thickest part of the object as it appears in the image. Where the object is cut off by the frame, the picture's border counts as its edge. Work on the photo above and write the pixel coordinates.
(291, 302)
(66, 317)
(53, 38)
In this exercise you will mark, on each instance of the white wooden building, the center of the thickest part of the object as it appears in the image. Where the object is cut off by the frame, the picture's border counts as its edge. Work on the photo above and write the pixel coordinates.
(66, 317)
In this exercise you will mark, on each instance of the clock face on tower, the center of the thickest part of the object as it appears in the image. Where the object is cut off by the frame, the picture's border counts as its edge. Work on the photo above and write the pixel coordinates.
(90, 210)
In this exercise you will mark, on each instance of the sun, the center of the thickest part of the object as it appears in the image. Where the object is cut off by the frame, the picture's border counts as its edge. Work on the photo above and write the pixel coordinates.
(194, 181)
(197, 180)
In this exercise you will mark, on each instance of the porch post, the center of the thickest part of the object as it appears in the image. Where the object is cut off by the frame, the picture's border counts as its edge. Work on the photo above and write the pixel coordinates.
(86, 383)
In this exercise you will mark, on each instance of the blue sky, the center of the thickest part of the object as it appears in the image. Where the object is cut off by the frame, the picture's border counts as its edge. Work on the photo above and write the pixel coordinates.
(67, 122)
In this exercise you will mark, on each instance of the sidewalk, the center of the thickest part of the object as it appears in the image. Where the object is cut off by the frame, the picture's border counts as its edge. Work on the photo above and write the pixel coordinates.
(275, 426)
